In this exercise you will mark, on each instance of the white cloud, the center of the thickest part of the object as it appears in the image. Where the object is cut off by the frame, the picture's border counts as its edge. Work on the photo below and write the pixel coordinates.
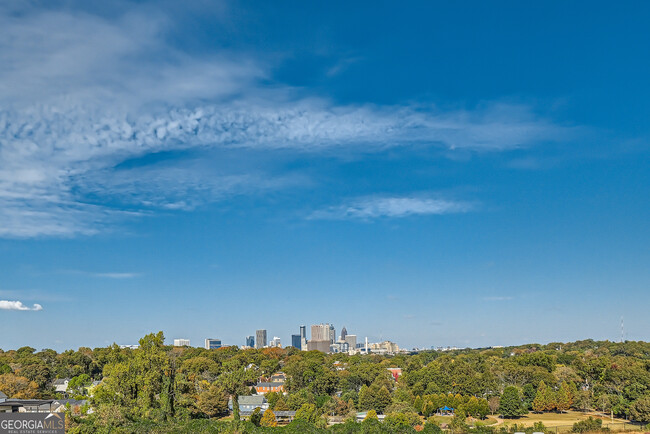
(81, 93)
(377, 207)
(18, 305)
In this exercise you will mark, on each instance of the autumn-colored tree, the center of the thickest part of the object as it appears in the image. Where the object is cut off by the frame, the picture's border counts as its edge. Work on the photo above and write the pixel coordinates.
(493, 403)
(563, 398)
(268, 419)
(213, 402)
(18, 387)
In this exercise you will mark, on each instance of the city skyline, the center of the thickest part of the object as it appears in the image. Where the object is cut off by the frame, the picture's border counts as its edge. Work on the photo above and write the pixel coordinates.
(430, 173)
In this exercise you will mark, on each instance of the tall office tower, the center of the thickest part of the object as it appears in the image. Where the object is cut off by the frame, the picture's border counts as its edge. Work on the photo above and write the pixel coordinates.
(181, 342)
(332, 334)
(275, 342)
(212, 344)
(320, 332)
(260, 338)
(303, 332)
(352, 341)
(344, 333)
(296, 341)
(250, 341)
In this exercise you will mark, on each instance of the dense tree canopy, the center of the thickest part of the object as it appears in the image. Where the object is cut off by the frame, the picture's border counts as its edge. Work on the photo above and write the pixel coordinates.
(158, 383)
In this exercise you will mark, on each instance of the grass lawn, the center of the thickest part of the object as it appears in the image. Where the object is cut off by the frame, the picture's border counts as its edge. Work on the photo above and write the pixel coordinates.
(564, 421)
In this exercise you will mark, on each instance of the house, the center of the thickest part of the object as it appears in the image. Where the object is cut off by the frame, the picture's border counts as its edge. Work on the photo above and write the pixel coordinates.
(61, 385)
(59, 405)
(280, 377)
(263, 388)
(395, 372)
(8, 405)
(247, 404)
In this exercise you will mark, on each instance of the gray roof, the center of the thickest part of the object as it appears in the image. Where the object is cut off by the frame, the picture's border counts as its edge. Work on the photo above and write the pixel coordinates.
(273, 384)
(283, 413)
(252, 400)
(3, 396)
(60, 381)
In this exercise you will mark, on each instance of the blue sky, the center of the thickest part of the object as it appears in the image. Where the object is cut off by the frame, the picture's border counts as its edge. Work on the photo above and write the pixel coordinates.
(434, 173)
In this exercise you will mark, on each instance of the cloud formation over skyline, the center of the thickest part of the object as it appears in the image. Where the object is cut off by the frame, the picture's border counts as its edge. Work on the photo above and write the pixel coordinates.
(84, 93)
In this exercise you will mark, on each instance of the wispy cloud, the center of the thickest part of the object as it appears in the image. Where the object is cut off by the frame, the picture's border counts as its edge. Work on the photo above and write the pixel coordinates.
(117, 275)
(498, 298)
(81, 93)
(18, 305)
(391, 207)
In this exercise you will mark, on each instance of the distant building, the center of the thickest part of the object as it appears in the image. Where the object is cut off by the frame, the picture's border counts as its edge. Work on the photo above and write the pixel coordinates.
(296, 342)
(212, 344)
(250, 341)
(344, 333)
(351, 340)
(275, 342)
(322, 346)
(260, 338)
(320, 332)
(130, 347)
(181, 342)
(303, 332)
(385, 347)
(339, 347)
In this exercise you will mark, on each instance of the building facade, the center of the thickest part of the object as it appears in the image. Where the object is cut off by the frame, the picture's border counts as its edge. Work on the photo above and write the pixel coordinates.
(260, 338)
(181, 342)
(212, 344)
(250, 341)
(296, 341)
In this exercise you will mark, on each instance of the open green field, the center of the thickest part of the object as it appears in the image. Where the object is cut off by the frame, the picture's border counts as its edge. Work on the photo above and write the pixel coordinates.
(564, 421)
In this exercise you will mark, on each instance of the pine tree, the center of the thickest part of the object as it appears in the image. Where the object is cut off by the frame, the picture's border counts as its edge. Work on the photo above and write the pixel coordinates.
(268, 419)
(540, 402)
(563, 401)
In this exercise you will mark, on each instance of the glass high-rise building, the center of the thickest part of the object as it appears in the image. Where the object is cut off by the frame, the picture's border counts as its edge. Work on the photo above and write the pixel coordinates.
(260, 338)
(250, 341)
(296, 341)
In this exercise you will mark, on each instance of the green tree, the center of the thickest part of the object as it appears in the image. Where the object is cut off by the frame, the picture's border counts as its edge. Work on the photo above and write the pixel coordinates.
(382, 400)
(307, 412)
(256, 416)
(366, 398)
(640, 410)
(268, 419)
(280, 405)
(510, 404)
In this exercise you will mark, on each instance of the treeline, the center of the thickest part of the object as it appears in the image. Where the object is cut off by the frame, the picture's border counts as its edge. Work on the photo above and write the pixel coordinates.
(160, 384)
